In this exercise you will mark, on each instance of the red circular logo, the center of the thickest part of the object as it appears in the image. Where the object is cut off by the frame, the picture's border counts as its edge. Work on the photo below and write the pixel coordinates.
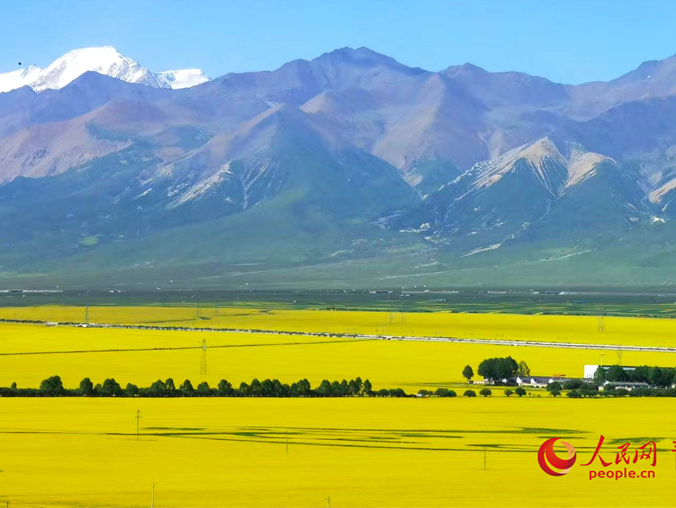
(547, 456)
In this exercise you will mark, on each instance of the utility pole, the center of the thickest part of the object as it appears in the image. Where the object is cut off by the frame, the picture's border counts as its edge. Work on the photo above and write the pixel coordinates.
(153, 502)
(138, 417)
(203, 365)
(328, 502)
(287, 440)
(484, 458)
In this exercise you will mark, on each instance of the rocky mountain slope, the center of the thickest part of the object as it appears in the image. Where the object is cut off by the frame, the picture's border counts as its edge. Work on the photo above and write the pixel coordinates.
(345, 159)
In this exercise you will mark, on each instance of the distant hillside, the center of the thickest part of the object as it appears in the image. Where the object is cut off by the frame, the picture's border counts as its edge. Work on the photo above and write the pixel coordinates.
(347, 170)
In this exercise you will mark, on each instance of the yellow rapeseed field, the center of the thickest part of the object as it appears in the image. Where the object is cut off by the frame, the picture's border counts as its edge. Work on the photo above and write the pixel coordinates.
(557, 328)
(357, 452)
(130, 356)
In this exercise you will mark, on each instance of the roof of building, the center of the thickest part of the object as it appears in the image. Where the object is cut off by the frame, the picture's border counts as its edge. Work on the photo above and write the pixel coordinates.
(624, 367)
(637, 384)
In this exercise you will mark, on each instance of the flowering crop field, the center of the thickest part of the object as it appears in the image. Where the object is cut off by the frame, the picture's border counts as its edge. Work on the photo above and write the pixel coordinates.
(357, 452)
(300, 452)
(31, 353)
(550, 328)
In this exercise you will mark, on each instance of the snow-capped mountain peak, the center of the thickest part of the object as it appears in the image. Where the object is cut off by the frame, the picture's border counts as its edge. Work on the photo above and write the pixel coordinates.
(17, 79)
(184, 78)
(105, 60)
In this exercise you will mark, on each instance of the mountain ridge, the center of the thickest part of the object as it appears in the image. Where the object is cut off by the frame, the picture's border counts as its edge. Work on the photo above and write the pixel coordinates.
(345, 158)
(105, 60)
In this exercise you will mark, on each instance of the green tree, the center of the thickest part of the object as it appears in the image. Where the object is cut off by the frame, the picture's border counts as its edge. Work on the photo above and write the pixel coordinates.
(170, 387)
(469, 393)
(485, 392)
(496, 369)
(52, 387)
(554, 386)
(324, 389)
(520, 391)
(617, 374)
(267, 388)
(304, 388)
(131, 390)
(255, 389)
(367, 388)
(111, 388)
(523, 370)
(656, 378)
(225, 388)
(87, 387)
(576, 384)
(508, 393)
(203, 389)
(359, 386)
(157, 389)
(555, 392)
(186, 388)
(279, 389)
(468, 373)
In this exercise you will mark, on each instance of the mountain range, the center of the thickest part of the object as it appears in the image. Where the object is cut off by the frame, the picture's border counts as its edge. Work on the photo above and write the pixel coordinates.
(105, 60)
(348, 170)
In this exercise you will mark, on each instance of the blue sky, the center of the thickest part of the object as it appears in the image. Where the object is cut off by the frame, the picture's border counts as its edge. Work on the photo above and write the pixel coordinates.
(567, 41)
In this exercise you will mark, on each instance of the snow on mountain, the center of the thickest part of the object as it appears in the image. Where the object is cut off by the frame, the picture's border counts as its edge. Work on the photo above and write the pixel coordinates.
(17, 79)
(104, 60)
(184, 78)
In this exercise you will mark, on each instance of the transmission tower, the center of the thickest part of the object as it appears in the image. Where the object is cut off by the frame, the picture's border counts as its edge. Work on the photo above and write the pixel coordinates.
(86, 307)
(619, 357)
(203, 364)
(602, 326)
